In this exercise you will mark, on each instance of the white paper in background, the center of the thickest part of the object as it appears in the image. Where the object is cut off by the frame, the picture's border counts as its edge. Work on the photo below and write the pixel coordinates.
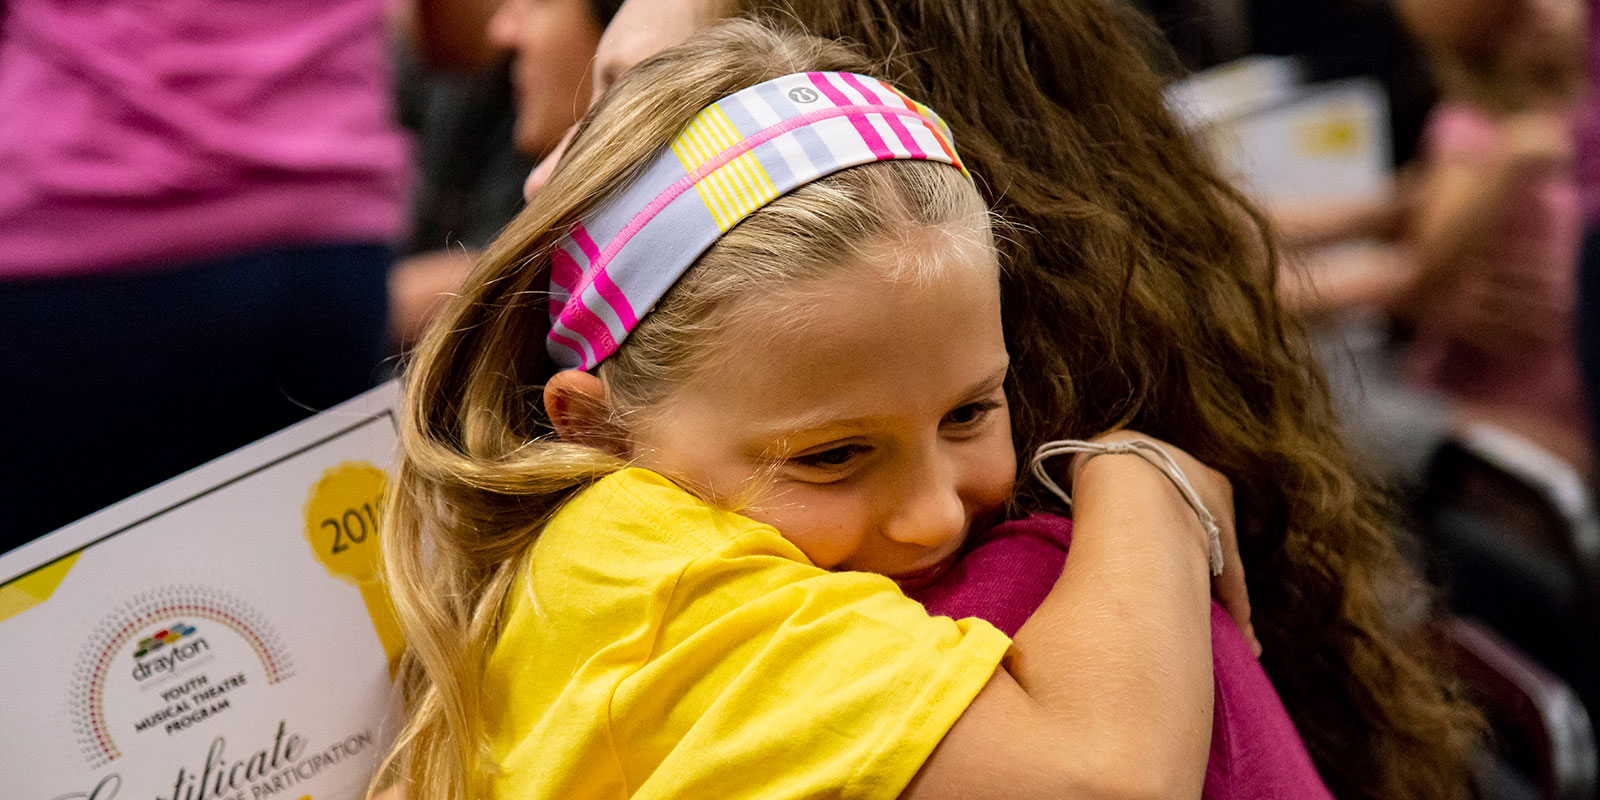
(1329, 144)
(1229, 91)
(218, 637)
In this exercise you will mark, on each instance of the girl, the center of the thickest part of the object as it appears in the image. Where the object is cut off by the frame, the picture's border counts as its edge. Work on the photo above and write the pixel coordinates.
(1139, 291)
(1497, 227)
(742, 314)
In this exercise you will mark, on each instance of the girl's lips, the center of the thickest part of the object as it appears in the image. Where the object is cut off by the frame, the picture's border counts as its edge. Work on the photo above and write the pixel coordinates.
(926, 576)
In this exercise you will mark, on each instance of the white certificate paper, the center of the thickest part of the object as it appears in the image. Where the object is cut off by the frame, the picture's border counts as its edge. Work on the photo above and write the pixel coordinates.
(219, 637)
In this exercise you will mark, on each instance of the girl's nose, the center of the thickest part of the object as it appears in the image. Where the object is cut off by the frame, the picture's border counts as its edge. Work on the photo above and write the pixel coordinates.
(931, 515)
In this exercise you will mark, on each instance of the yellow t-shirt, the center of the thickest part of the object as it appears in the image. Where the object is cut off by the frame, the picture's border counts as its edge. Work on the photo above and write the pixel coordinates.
(655, 647)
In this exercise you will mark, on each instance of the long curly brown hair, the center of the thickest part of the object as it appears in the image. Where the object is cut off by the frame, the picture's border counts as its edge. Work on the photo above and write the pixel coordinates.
(1140, 292)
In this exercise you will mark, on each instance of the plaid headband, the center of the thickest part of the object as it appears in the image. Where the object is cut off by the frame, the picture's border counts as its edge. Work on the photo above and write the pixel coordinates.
(736, 155)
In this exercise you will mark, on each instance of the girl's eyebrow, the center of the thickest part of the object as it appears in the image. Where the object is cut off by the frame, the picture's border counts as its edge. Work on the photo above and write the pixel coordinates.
(995, 380)
(814, 421)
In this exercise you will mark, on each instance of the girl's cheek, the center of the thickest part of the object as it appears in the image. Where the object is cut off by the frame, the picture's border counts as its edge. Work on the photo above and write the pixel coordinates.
(835, 532)
(1000, 469)
(816, 523)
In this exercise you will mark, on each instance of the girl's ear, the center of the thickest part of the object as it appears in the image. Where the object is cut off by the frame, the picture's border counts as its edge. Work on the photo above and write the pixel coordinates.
(575, 401)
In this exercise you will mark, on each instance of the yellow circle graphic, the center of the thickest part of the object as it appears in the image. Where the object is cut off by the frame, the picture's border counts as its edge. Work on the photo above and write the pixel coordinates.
(343, 515)
(342, 520)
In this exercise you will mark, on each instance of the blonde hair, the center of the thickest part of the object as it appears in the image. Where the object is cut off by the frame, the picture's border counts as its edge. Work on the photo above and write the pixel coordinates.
(480, 474)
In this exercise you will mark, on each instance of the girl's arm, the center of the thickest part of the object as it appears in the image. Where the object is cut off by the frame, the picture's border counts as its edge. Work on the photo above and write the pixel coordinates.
(1317, 225)
(1109, 690)
(1331, 281)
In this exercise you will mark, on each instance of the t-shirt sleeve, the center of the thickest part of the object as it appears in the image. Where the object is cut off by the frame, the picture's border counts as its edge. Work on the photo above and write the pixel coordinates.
(772, 678)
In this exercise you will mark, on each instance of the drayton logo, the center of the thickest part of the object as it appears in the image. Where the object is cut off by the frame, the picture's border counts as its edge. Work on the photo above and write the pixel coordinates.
(179, 643)
(162, 638)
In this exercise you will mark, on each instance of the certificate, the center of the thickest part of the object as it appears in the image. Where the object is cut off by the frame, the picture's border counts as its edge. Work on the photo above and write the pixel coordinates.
(223, 636)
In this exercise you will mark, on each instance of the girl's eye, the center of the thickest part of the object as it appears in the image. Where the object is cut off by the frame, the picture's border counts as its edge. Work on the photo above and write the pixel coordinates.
(833, 458)
(971, 413)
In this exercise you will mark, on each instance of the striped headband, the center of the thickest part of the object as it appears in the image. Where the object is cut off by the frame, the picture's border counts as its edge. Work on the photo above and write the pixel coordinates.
(736, 155)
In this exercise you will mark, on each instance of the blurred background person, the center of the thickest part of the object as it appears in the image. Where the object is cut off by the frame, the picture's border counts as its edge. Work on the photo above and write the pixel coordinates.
(489, 87)
(198, 216)
(1588, 167)
(1495, 231)
(1445, 301)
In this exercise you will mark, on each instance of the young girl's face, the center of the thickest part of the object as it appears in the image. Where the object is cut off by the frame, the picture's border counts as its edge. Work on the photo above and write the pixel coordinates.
(880, 400)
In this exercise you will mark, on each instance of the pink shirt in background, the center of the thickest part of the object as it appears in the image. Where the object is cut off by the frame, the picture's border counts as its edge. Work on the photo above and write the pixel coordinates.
(140, 133)
(1535, 240)
(1256, 753)
(1588, 126)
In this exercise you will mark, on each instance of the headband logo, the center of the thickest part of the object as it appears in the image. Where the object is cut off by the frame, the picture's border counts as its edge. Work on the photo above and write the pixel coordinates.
(803, 95)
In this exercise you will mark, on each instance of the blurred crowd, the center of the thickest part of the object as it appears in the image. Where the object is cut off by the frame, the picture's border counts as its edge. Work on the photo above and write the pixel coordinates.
(220, 218)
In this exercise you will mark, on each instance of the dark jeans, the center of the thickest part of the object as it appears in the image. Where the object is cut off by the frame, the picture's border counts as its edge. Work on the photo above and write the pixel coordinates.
(111, 384)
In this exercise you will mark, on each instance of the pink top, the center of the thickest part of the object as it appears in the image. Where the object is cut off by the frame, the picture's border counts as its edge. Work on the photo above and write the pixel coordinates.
(1256, 753)
(137, 132)
(1588, 126)
(1535, 240)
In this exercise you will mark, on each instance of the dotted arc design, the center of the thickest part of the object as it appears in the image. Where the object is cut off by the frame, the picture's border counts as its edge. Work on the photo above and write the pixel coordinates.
(134, 618)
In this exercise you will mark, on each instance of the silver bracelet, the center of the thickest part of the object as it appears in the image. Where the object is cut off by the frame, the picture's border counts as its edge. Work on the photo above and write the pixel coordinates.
(1150, 452)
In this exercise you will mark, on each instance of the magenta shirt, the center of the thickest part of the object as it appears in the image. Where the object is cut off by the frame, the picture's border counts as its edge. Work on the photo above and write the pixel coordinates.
(140, 132)
(1256, 753)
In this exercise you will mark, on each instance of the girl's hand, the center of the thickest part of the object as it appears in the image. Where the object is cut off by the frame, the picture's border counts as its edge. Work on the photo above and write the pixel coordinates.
(1216, 494)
